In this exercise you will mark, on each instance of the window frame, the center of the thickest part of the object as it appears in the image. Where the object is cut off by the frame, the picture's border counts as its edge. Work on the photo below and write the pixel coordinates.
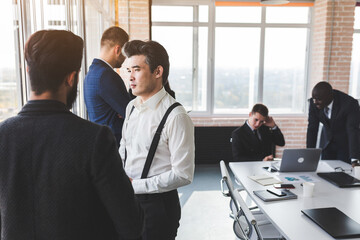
(212, 25)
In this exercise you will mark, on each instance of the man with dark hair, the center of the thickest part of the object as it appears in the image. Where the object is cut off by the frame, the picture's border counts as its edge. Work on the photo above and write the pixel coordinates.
(256, 139)
(105, 93)
(61, 177)
(339, 113)
(158, 158)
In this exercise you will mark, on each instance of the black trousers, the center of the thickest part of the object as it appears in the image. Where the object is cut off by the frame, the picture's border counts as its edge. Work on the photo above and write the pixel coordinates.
(162, 215)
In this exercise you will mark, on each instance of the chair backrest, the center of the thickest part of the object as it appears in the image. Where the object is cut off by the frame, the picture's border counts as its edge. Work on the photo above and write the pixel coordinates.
(245, 220)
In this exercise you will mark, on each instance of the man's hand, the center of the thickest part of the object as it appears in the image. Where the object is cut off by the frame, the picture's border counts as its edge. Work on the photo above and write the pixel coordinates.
(119, 116)
(268, 158)
(356, 163)
(130, 179)
(269, 122)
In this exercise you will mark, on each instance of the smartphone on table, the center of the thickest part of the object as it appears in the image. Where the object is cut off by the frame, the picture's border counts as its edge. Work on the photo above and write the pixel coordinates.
(276, 192)
(286, 186)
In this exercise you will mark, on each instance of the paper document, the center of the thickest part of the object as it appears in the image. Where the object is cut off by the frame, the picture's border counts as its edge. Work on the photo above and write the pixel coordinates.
(296, 178)
(264, 179)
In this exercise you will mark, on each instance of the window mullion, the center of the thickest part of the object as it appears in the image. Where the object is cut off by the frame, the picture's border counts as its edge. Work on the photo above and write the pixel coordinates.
(211, 63)
(195, 63)
(260, 87)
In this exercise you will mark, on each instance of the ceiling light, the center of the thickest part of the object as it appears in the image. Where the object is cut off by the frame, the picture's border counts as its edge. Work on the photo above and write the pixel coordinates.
(274, 2)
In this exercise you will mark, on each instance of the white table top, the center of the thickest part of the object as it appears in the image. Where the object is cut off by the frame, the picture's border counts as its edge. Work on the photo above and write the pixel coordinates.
(286, 214)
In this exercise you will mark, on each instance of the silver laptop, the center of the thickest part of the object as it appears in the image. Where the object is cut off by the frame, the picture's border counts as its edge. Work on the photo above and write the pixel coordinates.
(299, 160)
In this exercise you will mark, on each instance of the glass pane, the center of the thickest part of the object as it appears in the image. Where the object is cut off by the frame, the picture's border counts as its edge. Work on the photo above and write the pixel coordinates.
(357, 18)
(238, 14)
(200, 91)
(54, 15)
(171, 13)
(355, 68)
(203, 13)
(236, 69)
(180, 56)
(9, 87)
(284, 69)
(93, 33)
(287, 14)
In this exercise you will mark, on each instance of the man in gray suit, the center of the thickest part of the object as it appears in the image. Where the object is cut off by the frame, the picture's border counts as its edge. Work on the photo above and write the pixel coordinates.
(61, 176)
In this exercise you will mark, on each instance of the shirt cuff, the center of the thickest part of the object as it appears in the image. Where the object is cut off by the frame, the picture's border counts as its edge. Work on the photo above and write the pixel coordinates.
(139, 186)
(354, 160)
(274, 128)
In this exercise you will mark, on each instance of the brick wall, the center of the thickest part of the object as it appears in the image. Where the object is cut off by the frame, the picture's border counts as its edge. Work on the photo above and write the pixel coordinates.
(332, 28)
(134, 17)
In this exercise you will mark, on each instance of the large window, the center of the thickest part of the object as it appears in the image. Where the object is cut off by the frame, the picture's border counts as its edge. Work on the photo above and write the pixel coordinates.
(9, 84)
(355, 60)
(19, 19)
(183, 30)
(224, 59)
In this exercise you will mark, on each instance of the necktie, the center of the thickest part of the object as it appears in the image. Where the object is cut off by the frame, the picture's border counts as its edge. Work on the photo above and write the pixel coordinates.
(326, 111)
(256, 135)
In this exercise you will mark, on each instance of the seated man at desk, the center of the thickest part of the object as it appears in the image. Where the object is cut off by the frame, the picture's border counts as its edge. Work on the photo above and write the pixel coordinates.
(255, 140)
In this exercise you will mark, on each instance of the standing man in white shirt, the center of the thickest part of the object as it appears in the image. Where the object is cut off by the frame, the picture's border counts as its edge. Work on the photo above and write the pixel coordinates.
(155, 182)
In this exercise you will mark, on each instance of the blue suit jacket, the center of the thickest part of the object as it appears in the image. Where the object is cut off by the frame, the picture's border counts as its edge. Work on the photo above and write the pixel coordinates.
(105, 96)
(341, 131)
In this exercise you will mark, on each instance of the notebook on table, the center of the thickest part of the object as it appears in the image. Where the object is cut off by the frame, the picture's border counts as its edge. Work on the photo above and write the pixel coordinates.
(334, 222)
(340, 179)
(268, 197)
(299, 160)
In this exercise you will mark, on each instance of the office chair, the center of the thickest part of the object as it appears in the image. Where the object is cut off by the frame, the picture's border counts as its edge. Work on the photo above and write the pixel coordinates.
(245, 223)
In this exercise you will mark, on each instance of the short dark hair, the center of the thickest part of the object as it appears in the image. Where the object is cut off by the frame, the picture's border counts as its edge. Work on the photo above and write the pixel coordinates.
(323, 87)
(154, 52)
(51, 55)
(114, 35)
(260, 108)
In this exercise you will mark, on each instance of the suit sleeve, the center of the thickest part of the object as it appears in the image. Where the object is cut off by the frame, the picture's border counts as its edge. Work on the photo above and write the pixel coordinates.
(278, 137)
(114, 187)
(353, 131)
(313, 126)
(113, 91)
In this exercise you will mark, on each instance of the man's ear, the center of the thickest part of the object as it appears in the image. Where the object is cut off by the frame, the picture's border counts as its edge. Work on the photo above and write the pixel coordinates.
(117, 49)
(250, 114)
(70, 79)
(159, 71)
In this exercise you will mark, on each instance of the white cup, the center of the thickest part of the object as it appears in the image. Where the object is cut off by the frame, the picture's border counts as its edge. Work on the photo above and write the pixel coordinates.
(357, 172)
(308, 189)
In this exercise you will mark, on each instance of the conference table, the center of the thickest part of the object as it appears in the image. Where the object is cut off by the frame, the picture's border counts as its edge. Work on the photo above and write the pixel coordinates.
(286, 215)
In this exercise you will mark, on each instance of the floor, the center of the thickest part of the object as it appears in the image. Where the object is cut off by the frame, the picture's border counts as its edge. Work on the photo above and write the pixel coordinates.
(205, 211)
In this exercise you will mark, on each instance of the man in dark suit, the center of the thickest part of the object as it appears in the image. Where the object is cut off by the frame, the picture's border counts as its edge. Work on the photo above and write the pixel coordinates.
(339, 113)
(105, 93)
(61, 177)
(256, 139)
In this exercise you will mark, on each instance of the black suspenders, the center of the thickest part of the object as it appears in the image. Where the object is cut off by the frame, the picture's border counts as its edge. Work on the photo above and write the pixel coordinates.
(155, 141)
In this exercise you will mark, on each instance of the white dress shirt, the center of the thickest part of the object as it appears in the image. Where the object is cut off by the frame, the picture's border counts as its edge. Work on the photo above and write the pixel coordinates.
(173, 164)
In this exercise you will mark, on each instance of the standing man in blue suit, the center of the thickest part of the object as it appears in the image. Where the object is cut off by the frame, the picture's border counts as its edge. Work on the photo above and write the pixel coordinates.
(105, 93)
(339, 113)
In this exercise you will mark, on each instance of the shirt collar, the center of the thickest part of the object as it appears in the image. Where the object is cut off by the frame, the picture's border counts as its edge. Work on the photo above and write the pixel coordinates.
(152, 102)
(105, 62)
(247, 122)
(37, 106)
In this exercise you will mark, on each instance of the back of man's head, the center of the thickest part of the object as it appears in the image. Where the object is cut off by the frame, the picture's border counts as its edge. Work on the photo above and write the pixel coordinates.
(114, 36)
(51, 55)
(154, 52)
(260, 108)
